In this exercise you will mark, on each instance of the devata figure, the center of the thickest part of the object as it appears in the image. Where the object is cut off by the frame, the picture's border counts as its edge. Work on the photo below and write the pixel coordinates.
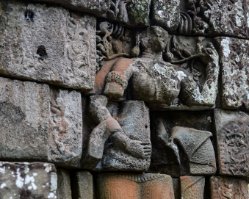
(185, 78)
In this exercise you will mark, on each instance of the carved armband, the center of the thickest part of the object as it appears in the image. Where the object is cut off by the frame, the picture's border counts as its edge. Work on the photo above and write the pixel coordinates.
(117, 78)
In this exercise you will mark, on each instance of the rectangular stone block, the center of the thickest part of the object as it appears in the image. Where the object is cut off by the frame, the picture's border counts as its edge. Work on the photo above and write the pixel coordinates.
(226, 17)
(47, 44)
(232, 132)
(83, 184)
(234, 56)
(225, 187)
(27, 180)
(40, 123)
(135, 186)
(166, 13)
(133, 13)
(192, 187)
(64, 184)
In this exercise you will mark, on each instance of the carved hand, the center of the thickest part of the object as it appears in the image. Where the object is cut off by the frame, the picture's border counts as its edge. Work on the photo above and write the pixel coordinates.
(139, 149)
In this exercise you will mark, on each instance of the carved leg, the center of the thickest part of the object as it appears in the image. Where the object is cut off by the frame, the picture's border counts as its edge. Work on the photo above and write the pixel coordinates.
(117, 187)
(97, 140)
(159, 188)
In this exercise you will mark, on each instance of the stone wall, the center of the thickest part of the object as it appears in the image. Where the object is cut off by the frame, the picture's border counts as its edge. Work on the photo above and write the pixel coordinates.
(124, 99)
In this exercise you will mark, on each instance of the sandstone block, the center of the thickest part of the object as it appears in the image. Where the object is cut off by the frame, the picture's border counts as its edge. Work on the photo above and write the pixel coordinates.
(225, 187)
(40, 123)
(234, 56)
(166, 13)
(84, 188)
(135, 186)
(192, 187)
(223, 18)
(64, 185)
(232, 133)
(132, 13)
(229, 18)
(28, 180)
(47, 44)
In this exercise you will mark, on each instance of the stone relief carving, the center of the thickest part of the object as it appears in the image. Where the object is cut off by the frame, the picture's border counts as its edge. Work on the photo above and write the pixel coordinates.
(233, 143)
(113, 40)
(121, 140)
(189, 76)
(118, 10)
(202, 17)
(229, 188)
(48, 44)
(193, 149)
(169, 154)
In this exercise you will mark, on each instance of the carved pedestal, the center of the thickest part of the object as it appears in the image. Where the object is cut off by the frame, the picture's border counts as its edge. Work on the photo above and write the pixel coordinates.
(132, 186)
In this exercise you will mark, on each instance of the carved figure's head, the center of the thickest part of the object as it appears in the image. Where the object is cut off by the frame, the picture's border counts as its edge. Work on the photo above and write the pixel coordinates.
(154, 38)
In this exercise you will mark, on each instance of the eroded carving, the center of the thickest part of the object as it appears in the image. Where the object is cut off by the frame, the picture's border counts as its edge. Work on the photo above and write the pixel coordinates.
(181, 150)
(121, 141)
(113, 40)
(233, 143)
(118, 10)
(188, 77)
(229, 188)
(65, 127)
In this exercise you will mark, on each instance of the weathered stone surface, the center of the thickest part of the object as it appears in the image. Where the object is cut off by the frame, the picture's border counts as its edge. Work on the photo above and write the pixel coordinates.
(234, 56)
(232, 133)
(166, 13)
(192, 187)
(225, 187)
(121, 139)
(84, 188)
(135, 186)
(197, 147)
(178, 147)
(173, 72)
(40, 123)
(28, 180)
(131, 12)
(113, 40)
(223, 18)
(97, 7)
(47, 44)
(64, 185)
(133, 117)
